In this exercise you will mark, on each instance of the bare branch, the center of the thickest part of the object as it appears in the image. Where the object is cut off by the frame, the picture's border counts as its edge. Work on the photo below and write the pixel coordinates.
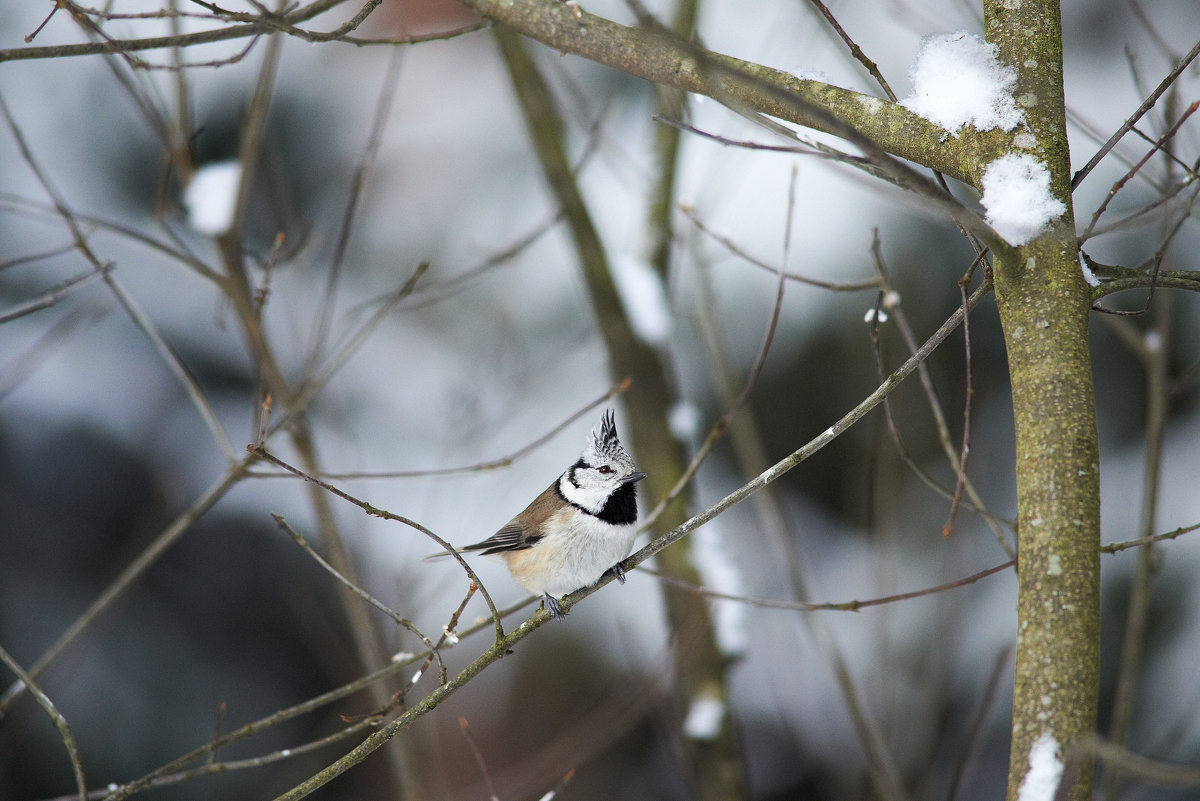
(238, 25)
(735, 249)
(493, 464)
(360, 592)
(54, 294)
(374, 511)
(1146, 105)
(56, 717)
(804, 452)
(855, 50)
(831, 606)
(961, 478)
(1124, 179)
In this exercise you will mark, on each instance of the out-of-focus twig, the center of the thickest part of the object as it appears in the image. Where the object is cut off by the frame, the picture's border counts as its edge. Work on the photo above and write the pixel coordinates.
(1146, 105)
(56, 717)
(375, 511)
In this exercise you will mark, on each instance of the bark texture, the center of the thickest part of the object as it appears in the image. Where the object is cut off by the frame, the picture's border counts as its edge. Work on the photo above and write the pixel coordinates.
(1044, 306)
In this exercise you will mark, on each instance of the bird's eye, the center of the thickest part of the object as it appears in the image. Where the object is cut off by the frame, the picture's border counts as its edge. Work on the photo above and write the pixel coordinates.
(605, 469)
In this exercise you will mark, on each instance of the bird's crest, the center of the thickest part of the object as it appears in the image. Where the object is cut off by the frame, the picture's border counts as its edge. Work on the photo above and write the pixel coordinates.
(605, 446)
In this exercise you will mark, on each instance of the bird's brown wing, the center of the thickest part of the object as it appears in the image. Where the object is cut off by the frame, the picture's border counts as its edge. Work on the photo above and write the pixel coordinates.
(524, 530)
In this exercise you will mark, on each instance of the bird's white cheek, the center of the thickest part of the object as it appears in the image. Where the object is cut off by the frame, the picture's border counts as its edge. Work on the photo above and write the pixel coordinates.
(591, 498)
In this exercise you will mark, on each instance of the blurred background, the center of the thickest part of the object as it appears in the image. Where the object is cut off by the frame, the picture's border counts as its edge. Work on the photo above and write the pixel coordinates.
(102, 449)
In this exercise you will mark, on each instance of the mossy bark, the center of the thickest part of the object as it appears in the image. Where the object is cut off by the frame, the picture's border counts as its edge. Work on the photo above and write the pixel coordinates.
(1044, 306)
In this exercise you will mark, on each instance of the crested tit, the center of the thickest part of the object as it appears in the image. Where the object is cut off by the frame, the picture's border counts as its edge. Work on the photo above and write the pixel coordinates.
(580, 527)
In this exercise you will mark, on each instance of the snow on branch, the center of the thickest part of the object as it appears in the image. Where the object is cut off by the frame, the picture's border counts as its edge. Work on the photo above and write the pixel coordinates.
(957, 80)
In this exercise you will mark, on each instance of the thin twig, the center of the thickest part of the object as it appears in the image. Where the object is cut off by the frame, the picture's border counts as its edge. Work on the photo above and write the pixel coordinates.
(854, 606)
(732, 247)
(722, 423)
(448, 636)
(807, 147)
(359, 591)
(978, 721)
(961, 479)
(255, 27)
(186, 380)
(29, 207)
(830, 606)
(170, 772)
(1146, 105)
(31, 36)
(570, 774)
(771, 474)
(1124, 179)
(386, 732)
(1115, 547)
(54, 294)
(358, 182)
(374, 511)
(896, 308)
(479, 760)
(1119, 758)
(214, 768)
(1156, 277)
(493, 464)
(16, 261)
(218, 724)
(264, 287)
(1137, 218)
(15, 371)
(1144, 19)
(342, 355)
(56, 717)
(855, 50)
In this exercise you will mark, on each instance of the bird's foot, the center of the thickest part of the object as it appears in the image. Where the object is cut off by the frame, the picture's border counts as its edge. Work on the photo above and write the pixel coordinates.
(552, 604)
(618, 571)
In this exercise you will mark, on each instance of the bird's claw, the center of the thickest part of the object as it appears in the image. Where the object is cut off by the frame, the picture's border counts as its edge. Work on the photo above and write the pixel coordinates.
(556, 611)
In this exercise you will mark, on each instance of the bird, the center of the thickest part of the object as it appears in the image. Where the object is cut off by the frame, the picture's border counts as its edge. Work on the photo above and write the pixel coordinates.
(579, 528)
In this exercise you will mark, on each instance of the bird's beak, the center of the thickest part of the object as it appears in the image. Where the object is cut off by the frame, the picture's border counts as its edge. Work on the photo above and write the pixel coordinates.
(634, 478)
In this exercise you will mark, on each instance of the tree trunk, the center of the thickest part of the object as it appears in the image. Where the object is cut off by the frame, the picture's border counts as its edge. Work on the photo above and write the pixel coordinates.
(1044, 306)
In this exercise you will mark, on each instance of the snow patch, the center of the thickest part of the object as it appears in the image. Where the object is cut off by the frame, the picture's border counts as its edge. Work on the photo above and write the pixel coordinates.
(704, 717)
(1088, 275)
(684, 420)
(811, 75)
(1016, 194)
(957, 80)
(644, 298)
(1045, 771)
(211, 197)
